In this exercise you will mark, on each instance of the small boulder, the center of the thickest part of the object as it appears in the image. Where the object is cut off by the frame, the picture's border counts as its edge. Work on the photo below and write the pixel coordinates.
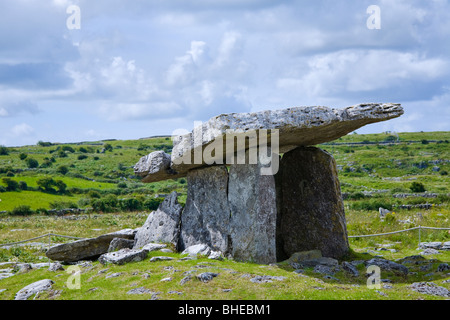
(123, 256)
(34, 288)
(120, 243)
(388, 265)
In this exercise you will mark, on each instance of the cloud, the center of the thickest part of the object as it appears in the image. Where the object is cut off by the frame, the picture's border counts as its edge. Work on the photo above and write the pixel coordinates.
(11, 109)
(22, 129)
(360, 71)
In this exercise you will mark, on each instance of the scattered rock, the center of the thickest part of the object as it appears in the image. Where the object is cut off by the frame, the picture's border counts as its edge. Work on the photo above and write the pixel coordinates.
(113, 275)
(430, 288)
(185, 279)
(429, 251)
(166, 279)
(324, 269)
(141, 290)
(56, 267)
(415, 260)
(22, 267)
(265, 279)
(350, 269)
(206, 276)
(215, 255)
(196, 249)
(430, 245)
(443, 267)
(123, 256)
(387, 265)
(160, 258)
(34, 288)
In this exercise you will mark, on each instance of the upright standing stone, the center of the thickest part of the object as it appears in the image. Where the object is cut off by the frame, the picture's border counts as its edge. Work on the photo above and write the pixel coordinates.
(206, 215)
(311, 208)
(252, 198)
(162, 225)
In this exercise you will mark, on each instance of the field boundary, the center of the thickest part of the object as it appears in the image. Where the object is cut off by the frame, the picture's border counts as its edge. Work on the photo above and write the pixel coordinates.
(49, 235)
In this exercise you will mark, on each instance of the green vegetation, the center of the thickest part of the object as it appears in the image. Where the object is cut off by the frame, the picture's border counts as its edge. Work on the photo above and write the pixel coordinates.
(375, 170)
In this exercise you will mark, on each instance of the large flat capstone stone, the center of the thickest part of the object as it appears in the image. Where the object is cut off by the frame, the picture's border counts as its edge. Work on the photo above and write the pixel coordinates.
(298, 126)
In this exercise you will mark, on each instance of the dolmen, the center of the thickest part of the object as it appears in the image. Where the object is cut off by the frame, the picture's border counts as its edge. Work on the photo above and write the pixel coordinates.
(258, 189)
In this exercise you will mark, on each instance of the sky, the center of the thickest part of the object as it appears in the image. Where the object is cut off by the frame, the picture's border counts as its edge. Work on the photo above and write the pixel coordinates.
(78, 70)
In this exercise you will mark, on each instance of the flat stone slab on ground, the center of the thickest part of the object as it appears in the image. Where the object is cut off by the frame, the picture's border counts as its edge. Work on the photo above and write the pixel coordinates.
(87, 248)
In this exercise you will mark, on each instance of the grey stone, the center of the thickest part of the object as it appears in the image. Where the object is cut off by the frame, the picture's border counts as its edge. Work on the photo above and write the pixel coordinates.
(22, 267)
(350, 269)
(430, 288)
(34, 288)
(299, 257)
(160, 258)
(446, 245)
(388, 265)
(298, 126)
(123, 256)
(429, 251)
(56, 267)
(162, 225)
(443, 267)
(185, 279)
(383, 212)
(196, 249)
(5, 275)
(113, 275)
(215, 255)
(206, 276)
(206, 215)
(120, 243)
(266, 279)
(141, 290)
(149, 247)
(311, 209)
(88, 248)
(252, 199)
(156, 165)
(415, 260)
(430, 245)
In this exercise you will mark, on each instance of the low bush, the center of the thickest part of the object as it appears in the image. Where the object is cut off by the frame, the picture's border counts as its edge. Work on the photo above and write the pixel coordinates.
(22, 210)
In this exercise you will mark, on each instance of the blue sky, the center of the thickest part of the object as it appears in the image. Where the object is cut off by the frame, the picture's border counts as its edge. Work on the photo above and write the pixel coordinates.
(141, 68)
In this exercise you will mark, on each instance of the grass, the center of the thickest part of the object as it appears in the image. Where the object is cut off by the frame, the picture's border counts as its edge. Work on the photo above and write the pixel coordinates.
(373, 166)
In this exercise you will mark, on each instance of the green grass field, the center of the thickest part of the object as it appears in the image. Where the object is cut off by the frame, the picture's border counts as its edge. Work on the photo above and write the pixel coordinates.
(372, 169)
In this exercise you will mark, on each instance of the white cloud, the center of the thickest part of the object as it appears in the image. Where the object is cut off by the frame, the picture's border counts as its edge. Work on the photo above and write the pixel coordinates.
(22, 129)
(363, 70)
